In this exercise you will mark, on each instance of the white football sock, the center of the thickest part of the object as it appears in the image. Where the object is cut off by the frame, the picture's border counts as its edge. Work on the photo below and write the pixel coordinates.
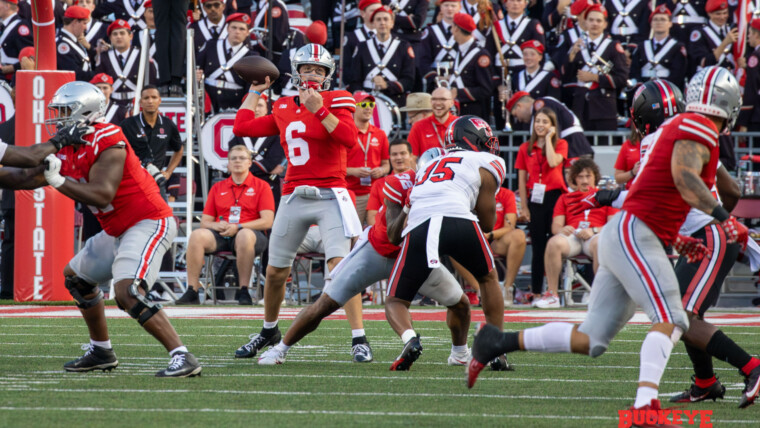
(408, 335)
(103, 344)
(282, 347)
(458, 349)
(655, 352)
(551, 337)
(644, 396)
(268, 324)
(359, 332)
(178, 349)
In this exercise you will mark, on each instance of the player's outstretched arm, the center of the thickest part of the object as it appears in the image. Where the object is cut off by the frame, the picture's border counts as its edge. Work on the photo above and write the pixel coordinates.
(22, 178)
(728, 189)
(26, 157)
(689, 157)
(485, 206)
(104, 179)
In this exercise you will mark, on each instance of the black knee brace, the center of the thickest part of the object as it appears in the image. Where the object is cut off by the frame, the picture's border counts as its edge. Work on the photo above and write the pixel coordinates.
(78, 288)
(144, 309)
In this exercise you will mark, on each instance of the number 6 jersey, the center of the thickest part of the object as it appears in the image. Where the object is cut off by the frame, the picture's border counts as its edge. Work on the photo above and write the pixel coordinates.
(315, 156)
(449, 186)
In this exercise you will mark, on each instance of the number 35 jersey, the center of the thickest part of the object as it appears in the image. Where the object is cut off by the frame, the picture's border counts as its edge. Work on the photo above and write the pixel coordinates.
(315, 157)
(450, 185)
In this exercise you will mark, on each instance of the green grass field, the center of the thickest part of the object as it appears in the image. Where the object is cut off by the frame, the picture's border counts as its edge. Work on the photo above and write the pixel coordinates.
(319, 386)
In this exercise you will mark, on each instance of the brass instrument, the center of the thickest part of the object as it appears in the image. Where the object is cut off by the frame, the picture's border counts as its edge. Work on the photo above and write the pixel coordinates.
(488, 19)
(601, 65)
(442, 75)
(505, 94)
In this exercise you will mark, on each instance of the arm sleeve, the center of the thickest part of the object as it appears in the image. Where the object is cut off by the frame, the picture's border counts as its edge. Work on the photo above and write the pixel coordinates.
(345, 133)
(247, 125)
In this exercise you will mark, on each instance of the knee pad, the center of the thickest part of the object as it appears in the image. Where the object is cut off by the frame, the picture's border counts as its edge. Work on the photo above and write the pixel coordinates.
(144, 309)
(78, 288)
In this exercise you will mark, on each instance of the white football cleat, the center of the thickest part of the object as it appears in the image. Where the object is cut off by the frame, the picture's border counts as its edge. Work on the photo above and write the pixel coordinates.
(271, 357)
(459, 358)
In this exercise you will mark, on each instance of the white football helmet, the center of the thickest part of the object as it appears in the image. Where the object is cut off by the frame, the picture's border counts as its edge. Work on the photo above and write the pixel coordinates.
(312, 54)
(428, 156)
(75, 102)
(714, 91)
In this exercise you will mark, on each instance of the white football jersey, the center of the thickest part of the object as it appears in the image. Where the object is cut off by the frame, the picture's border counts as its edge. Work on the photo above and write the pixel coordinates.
(450, 184)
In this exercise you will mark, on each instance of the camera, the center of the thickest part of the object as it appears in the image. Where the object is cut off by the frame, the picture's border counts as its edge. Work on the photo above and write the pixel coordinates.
(156, 174)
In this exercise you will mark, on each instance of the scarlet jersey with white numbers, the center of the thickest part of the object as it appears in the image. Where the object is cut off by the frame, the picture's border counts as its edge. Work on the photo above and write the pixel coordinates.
(315, 157)
(653, 197)
(450, 185)
(137, 197)
(395, 189)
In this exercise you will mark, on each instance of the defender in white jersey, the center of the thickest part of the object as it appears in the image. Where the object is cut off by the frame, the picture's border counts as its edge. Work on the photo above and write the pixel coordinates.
(441, 223)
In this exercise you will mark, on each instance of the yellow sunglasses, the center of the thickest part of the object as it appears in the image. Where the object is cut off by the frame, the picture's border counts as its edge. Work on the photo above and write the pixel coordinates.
(366, 104)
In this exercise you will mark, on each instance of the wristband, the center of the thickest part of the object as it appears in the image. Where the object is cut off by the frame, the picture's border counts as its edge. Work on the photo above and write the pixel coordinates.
(632, 174)
(253, 91)
(240, 226)
(322, 113)
(720, 214)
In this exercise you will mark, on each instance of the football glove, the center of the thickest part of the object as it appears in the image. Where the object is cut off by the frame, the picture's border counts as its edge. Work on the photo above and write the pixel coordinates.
(735, 231)
(71, 135)
(692, 248)
(53, 171)
(578, 202)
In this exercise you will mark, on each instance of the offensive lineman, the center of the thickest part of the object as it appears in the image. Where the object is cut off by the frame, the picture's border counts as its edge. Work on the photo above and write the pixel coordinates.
(679, 169)
(105, 174)
(316, 130)
(462, 180)
(372, 260)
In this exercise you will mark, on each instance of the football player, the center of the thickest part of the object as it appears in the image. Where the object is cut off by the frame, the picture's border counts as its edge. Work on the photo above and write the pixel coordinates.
(105, 174)
(316, 129)
(677, 173)
(466, 178)
(370, 261)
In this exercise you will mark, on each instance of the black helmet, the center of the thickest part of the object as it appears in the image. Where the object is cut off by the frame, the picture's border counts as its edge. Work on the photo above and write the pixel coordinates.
(471, 133)
(653, 102)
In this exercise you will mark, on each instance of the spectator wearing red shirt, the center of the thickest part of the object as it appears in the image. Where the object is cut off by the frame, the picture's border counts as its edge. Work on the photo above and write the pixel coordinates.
(506, 240)
(573, 233)
(431, 131)
(628, 160)
(237, 212)
(368, 160)
(401, 161)
(540, 184)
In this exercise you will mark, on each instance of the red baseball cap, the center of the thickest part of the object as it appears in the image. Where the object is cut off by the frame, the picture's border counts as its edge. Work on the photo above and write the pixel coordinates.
(119, 23)
(102, 78)
(12, 1)
(444, 1)
(317, 32)
(77, 12)
(755, 24)
(579, 6)
(465, 22)
(533, 44)
(364, 3)
(660, 10)
(715, 5)
(595, 8)
(239, 17)
(515, 98)
(360, 96)
(148, 4)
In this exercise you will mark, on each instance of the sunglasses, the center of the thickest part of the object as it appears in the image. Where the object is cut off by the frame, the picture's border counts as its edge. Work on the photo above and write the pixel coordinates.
(366, 104)
(212, 5)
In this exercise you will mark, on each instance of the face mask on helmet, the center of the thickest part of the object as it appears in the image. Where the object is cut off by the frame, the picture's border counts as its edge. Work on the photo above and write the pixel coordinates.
(315, 55)
(74, 102)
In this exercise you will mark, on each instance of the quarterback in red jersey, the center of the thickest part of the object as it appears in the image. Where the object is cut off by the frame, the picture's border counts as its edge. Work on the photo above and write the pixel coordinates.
(676, 174)
(137, 226)
(316, 130)
(372, 260)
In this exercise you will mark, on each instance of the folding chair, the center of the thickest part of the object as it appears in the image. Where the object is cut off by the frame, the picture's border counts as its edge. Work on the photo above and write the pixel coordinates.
(570, 275)
(303, 265)
(218, 288)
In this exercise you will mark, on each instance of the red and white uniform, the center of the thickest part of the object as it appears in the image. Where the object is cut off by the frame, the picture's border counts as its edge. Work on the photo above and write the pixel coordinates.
(137, 197)
(396, 189)
(315, 157)
(653, 197)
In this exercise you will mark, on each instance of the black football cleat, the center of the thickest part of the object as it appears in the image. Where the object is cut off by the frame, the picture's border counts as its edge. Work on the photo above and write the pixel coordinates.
(182, 364)
(500, 364)
(257, 343)
(412, 350)
(96, 358)
(484, 350)
(751, 388)
(695, 394)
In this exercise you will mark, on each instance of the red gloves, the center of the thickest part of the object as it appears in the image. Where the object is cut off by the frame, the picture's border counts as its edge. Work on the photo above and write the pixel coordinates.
(691, 248)
(736, 232)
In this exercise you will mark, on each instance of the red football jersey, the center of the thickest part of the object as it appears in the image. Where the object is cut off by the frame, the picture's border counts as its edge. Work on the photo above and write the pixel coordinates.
(505, 204)
(370, 151)
(595, 218)
(137, 197)
(315, 157)
(396, 189)
(653, 197)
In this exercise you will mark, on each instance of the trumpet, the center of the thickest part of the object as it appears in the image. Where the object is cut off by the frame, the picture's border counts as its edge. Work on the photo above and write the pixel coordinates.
(562, 26)
(395, 7)
(442, 75)
(599, 63)
(505, 94)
